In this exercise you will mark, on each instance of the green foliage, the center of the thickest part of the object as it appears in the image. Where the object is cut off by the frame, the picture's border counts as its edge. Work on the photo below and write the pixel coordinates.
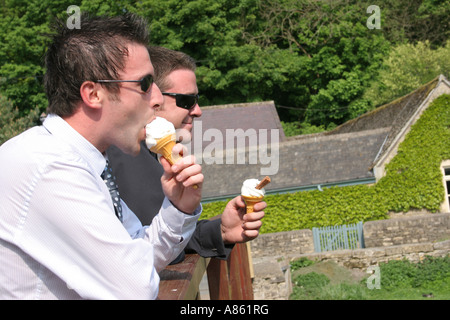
(309, 285)
(412, 181)
(11, 124)
(400, 279)
(300, 263)
(317, 57)
(337, 55)
(343, 291)
(405, 69)
(297, 128)
(332, 206)
(312, 279)
(416, 20)
(22, 47)
(397, 274)
(430, 270)
(405, 274)
(413, 178)
(353, 63)
(211, 209)
(308, 209)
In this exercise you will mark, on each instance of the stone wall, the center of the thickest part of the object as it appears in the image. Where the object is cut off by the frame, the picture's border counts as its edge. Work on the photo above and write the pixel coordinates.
(417, 229)
(283, 243)
(411, 238)
(363, 258)
(396, 231)
(272, 279)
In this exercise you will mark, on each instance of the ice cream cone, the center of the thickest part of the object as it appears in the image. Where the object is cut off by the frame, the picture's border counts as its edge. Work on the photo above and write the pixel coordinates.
(250, 202)
(164, 147)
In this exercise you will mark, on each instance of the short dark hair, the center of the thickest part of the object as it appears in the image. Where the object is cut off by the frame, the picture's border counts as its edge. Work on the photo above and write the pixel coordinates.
(95, 51)
(166, 61)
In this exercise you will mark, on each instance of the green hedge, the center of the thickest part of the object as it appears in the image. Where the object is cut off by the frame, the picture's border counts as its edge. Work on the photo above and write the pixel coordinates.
(413, 181)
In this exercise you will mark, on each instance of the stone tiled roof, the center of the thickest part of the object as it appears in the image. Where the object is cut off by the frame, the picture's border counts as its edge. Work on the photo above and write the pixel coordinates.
(241, 120)
(395, 115)
(315, 160)
(345, 154)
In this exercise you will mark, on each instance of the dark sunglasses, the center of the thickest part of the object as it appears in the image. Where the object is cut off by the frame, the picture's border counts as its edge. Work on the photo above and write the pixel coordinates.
(185, 101)
(146, 82)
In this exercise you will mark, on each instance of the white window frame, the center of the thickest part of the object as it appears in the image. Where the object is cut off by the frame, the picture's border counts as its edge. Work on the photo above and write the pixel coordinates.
(445, 206)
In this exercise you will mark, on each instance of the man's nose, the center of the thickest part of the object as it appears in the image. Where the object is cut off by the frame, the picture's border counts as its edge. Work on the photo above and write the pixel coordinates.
(156, 99)
(196, 111)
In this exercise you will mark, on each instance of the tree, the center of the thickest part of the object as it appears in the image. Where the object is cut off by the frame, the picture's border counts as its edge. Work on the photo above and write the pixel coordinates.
(315, 58)
(412, 21)
(229, 69)
(11, 124)
(406, 68)
(343, 55)
(23, 42)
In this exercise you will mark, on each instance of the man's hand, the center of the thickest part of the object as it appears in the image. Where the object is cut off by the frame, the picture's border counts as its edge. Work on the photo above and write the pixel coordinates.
(237, 226)
(182, 182)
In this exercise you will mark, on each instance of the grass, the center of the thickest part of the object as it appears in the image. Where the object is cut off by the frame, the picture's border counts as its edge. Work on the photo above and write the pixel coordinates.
(400, 280)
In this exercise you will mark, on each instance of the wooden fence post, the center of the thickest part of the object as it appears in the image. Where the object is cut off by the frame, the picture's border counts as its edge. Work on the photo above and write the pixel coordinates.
(231, 279)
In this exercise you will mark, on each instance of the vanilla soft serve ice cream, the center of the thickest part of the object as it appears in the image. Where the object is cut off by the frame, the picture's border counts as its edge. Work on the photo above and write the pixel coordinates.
(158, 129)
(160, 137)
(253, 191)
(249, 189)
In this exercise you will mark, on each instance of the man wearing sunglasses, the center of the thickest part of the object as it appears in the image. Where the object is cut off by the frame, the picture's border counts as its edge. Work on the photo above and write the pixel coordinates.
(60, 234)
(138, 178)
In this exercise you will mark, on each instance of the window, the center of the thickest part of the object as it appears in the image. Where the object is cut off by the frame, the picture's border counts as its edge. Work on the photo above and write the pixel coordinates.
(446, 173)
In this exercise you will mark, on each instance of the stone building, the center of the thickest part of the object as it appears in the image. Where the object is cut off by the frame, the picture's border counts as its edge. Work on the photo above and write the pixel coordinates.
(244, 141)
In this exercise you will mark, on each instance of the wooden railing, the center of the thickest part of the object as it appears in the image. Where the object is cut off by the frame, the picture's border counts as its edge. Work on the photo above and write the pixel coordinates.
(227, 279)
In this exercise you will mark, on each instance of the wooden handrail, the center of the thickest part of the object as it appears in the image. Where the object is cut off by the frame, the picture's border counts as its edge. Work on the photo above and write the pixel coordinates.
(227, 279)
(181, 281)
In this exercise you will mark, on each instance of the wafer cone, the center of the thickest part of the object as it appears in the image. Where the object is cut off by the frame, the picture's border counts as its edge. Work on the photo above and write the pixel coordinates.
(164, 147)
(250, 202)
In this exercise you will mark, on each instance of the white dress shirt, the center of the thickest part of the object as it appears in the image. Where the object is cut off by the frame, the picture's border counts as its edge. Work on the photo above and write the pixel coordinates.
(59, 235)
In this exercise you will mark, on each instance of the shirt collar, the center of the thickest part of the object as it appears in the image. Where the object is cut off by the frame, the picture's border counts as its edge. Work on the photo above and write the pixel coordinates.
(60, 128)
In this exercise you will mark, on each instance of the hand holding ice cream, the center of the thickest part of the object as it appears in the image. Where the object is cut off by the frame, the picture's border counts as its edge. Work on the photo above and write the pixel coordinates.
(161, 138)
(253, 191)
(240, 225)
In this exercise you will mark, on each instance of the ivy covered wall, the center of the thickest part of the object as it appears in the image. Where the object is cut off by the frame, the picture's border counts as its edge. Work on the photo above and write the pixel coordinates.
(413, 181)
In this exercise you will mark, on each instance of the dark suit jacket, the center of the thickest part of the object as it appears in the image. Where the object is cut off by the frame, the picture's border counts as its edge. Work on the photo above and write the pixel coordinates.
(139, 182)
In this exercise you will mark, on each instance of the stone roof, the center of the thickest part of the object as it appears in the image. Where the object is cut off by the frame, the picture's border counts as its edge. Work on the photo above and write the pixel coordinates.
(317, 160)
(346, 154)
(239, 121)
(409, 109)
(395, 115)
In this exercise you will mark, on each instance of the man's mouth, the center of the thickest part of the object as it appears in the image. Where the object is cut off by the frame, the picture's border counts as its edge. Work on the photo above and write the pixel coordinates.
(187, 125)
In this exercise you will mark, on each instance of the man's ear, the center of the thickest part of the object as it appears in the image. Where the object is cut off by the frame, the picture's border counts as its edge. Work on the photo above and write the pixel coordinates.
(92, 94)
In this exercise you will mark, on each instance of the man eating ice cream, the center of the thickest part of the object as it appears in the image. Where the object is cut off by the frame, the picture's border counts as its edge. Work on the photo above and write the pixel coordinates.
(138, 178)
(59, 234)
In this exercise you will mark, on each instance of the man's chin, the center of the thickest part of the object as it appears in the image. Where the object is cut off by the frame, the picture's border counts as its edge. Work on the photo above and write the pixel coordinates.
(132, 151)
